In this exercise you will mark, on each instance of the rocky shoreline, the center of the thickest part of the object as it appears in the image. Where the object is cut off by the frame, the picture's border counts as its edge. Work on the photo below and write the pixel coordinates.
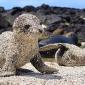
(69, 19)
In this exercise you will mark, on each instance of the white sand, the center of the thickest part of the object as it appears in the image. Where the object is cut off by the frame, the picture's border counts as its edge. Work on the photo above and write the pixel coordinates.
(66, 76)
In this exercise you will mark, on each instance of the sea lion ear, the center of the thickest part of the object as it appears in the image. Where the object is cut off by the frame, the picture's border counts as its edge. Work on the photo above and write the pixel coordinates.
(27, 27)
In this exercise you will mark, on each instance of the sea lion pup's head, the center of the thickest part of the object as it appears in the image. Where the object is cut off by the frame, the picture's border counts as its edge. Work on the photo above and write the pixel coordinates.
(59, 54)
(27, 24)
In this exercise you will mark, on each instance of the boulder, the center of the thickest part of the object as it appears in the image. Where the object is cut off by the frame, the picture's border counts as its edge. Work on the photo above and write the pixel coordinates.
(2, 9)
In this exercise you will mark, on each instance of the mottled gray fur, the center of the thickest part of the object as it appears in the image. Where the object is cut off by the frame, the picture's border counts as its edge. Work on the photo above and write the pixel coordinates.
(70, 55)
(21, 46)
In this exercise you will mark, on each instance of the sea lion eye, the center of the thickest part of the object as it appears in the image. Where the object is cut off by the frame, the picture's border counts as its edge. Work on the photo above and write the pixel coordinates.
(26, 27)
(40, 23)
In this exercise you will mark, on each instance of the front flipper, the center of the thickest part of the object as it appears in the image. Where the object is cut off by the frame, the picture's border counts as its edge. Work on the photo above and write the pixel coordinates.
(40, 66)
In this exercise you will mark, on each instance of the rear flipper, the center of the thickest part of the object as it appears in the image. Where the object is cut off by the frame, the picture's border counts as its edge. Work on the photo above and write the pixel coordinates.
(40, 66)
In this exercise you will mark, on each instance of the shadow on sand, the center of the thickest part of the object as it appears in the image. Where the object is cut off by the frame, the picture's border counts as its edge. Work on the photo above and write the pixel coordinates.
(27, 72)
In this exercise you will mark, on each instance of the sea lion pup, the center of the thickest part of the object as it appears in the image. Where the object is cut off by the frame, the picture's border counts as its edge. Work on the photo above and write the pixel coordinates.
(67, 54)
(70, 38)
(70, 55)
(21, 46)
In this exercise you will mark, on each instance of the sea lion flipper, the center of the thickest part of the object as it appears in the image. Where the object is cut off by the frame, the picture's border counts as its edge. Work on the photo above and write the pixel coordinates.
(40, 66)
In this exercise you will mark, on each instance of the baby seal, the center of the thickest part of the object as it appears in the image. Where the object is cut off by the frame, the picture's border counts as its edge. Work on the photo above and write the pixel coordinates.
(20, 46)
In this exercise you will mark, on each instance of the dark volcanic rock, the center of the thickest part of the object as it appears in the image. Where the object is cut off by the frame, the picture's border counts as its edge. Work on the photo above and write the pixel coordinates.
(29, 8)
(68, 19)
(3, 22)
(15, 10)
(2, 9)
(52, 19)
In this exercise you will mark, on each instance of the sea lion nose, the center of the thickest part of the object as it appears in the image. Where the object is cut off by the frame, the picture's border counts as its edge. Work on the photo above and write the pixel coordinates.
(40, 30)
